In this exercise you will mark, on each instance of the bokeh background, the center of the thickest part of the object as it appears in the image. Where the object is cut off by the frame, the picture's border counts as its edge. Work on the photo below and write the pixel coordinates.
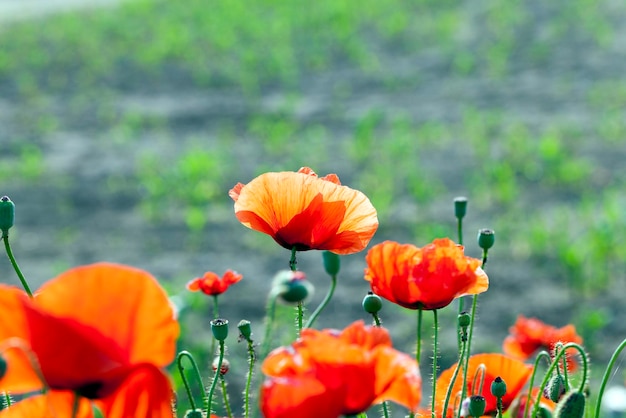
(125, 123)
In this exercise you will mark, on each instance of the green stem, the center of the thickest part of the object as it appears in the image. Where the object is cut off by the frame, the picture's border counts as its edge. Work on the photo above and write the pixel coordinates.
(216, 309)
(7, 400)
(269, 323)
(229, 412)
(209, 404)
(435, 354)
(251, 360)
(376, 319)
(453, 380)
(459, 230)
(320, 308)
(540, 355)
(183, 376)
(299, 318)
(605, 378)
(469, 347)
(75, 405)
(385, 410)
(293, 263)
(500, 407)
(418, 342)
(5, 238)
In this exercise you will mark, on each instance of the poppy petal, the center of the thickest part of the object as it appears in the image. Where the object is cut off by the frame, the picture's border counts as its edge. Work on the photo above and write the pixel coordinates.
(302, 396)
(53, 404)
(397, 378)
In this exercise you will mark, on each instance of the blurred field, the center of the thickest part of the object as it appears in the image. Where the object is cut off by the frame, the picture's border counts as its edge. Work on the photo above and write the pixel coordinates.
(124, 128)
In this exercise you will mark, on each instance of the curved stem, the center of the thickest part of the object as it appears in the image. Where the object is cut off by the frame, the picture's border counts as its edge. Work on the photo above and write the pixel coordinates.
(183, 376)
(542, 354)
(435, 354)
(605, 378)
(229, 411)
(418, 342)
(322, 305)
(251, 360)
(5, 238)
(453, 379)
(209, 406)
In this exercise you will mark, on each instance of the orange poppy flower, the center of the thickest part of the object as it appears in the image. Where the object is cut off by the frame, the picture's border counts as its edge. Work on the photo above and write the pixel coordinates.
(423, 278)
(303, 211)
(529, 335)
(330, 373)
(514, 373)
(102, 331)
(211, 284)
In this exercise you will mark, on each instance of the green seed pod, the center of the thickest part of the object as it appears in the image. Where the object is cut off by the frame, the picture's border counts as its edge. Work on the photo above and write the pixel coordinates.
(194, 413)
(544, 413)
(556, 388)
(464, 319)
(291, 286)
(372, 303)
(486, 238)
(498, 387)
(219, 327)
(460, 207)
(332, 262)
(572, 405)
(7, 214)
(477, 406)
(245, 329)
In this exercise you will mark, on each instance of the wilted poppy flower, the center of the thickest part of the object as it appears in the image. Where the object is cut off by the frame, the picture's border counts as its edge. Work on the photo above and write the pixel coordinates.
(513, 372)
(423, 278)
(303, 211)
(330, 373)
(211, 284)
(102, 331)
(529, 335)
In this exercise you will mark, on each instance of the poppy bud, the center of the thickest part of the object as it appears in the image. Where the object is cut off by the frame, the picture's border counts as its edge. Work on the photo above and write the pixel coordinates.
(219, 327)
(194, 413)
(224, 368)
(332, 262)
(486, 238)
(292, 286)
(571, 406)
(7, 214)
(464, 319)
(244, 329)
(544, 412)
(460, 207)
(555, 389)
(372, 303)
(3, 366)
(498, 387)
(477, 406)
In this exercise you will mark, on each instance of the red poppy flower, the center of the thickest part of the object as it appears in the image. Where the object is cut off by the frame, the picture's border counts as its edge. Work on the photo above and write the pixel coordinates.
(305, 211)
(102, 331)
(529, 335)
(423, 278)
(513, 372)
(330, 373)
(211, 284)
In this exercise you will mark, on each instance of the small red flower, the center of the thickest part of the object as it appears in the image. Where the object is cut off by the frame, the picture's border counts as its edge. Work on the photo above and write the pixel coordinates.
(211, 284)
(303, 211)
(423, 278)
(331, 373)
(529, 335)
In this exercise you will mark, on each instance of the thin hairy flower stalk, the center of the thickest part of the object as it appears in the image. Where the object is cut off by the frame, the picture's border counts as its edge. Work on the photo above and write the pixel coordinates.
(322, 305)
(459, 230)
(435, 355)
(229, 411)
(565, 372)
(385, 406)
(183, 376)
(499, 407)
(468, 349)
(542, 354)
(376, 319)
(251, 361)
(555, 363)
(293, 263)
(5, 238)
(8, 401)
(418, 342)
(454, 376)
(209, 403)
(293, 266)
(607, 373)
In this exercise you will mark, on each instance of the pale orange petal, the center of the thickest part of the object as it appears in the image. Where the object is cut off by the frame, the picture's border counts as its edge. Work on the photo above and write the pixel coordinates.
(398, 378)
(54, 404)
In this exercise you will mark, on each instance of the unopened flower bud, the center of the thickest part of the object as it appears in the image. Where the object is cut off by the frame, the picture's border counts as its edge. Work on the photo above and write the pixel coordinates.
(292, 286)
(194, 413)
(332, 262)
(477, 406)
(460, 207)
(572, 405)
(224, 368)
(486, 238)
(7, 214)
(498, 387)
(555, 388)
(464, 319)
(245, 330)
(372, 303)
(219, 327)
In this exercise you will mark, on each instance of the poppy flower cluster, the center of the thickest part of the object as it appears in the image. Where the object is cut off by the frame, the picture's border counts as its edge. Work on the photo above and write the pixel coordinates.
(101, 332)
(303, 211)
(212, 285)
(426, 278)
(331, 373)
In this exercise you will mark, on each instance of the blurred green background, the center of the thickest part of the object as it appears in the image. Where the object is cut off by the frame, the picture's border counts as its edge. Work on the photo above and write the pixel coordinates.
(124, 127)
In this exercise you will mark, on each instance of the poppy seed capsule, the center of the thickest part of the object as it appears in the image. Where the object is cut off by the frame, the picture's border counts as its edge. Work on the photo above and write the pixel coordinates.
(194, 413)
(555, 389)
(7, 214)
(332, 262)
(219, 327)
(464, 319)
(477, 406)
(244, 329)
(224, 368)
(486, 238)
(460, 207)
(291, 286)
(571, 406)
(498, 387)
(372, 303)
